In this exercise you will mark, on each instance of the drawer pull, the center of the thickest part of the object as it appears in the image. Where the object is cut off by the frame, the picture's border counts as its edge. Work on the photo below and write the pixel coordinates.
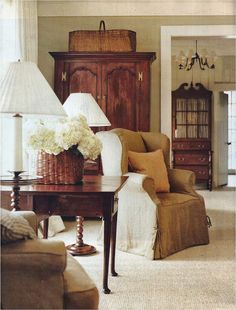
(202, 172)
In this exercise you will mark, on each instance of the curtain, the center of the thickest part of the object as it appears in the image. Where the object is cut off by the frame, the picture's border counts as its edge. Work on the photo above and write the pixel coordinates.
(18, 40)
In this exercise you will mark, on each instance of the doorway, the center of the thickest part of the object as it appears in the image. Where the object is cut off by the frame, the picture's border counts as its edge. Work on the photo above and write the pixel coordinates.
(167, 34)
(231, 137)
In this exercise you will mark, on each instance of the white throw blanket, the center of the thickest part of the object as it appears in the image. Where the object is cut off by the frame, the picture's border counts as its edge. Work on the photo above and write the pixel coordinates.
(137, 219)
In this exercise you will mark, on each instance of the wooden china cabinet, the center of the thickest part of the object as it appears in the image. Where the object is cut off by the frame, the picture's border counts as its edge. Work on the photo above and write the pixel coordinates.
(120, 83)
(191, 131)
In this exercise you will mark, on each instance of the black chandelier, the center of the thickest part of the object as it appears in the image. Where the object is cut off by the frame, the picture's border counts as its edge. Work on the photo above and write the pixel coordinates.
(188, 62)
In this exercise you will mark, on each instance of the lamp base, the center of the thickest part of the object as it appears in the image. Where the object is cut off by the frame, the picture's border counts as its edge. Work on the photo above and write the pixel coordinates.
(16, 174)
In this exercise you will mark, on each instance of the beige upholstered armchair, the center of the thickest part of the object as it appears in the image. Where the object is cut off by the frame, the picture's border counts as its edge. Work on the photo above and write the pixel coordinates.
(150, 223)
(39, 274)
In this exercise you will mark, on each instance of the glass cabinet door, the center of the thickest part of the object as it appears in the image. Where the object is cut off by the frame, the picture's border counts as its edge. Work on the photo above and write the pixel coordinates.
(192, 118)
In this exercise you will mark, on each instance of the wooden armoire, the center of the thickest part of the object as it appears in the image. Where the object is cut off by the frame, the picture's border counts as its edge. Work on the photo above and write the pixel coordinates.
(191, 131)
(119, 82)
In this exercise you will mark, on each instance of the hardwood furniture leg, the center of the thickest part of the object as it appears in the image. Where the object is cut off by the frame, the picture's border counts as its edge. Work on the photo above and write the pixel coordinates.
(113, 246)
(45, 228)
(80, 248)
(109, 204)
(107, 239)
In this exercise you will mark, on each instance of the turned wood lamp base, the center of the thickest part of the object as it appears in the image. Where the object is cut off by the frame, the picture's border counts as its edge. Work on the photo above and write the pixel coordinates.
(80, 248)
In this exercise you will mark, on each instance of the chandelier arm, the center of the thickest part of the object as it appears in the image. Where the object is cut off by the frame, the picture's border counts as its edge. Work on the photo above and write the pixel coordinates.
(190, 65)
(205, 63)
(201, 63)
(194, 59)
(183, 67)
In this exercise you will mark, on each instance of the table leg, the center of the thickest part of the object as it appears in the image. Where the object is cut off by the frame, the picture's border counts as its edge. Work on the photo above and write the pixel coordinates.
(80, 248)
(113, 245)
(45, 228)
(107, 239)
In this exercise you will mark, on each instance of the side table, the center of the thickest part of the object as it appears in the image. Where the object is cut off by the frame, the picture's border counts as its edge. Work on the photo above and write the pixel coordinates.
(96, 197)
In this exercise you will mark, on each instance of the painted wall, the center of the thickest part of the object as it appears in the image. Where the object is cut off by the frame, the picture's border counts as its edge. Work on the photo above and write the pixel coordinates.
(53, 36)
(135, 7)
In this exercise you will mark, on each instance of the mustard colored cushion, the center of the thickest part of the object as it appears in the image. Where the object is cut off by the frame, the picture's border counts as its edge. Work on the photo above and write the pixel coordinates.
(153, 165)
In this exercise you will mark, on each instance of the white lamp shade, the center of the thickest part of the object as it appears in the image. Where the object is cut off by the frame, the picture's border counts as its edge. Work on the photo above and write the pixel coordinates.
(24, 90)
(86, 105)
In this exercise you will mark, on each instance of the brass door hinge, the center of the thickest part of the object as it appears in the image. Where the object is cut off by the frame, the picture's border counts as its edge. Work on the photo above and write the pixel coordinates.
(63, 77)
(140, 76)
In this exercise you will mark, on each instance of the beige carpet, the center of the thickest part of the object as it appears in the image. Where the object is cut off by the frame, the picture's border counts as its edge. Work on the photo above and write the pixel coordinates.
(200, 277)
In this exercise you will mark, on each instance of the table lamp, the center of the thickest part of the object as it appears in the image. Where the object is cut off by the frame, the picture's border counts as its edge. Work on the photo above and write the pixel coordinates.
(85, 104)
(25, 91)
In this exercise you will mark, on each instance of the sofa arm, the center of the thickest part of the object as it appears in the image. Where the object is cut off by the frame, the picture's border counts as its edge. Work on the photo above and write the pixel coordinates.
(143, 183)
(182, 181)
(32, 274)
(33, 254)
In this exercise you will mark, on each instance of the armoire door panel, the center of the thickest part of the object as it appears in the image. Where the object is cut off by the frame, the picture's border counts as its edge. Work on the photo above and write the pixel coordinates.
(119, 89)
(84, 78)
(59, 82)
(143, 95)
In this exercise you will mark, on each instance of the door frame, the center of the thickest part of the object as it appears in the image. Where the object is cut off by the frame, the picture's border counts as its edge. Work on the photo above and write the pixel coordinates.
(167, 33)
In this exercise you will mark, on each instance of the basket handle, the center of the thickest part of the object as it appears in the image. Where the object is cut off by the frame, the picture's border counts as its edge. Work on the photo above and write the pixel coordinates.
(102, 25)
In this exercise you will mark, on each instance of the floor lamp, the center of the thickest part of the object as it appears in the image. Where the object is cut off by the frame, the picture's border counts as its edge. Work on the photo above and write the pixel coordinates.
(85, 104)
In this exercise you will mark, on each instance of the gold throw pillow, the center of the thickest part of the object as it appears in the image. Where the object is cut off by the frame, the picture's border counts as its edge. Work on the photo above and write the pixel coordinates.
(153, 165)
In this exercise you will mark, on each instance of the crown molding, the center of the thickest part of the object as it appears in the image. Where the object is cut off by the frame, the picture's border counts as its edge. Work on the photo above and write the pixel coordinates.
(136, 8)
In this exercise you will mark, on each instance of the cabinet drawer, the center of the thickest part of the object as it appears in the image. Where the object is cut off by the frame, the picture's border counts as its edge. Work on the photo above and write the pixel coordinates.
(201, 172)
(191, 159)
(69, 205)
(191, 145)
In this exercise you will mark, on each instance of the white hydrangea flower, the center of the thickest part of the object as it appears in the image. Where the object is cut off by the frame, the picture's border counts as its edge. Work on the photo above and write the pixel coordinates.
(66, 134)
